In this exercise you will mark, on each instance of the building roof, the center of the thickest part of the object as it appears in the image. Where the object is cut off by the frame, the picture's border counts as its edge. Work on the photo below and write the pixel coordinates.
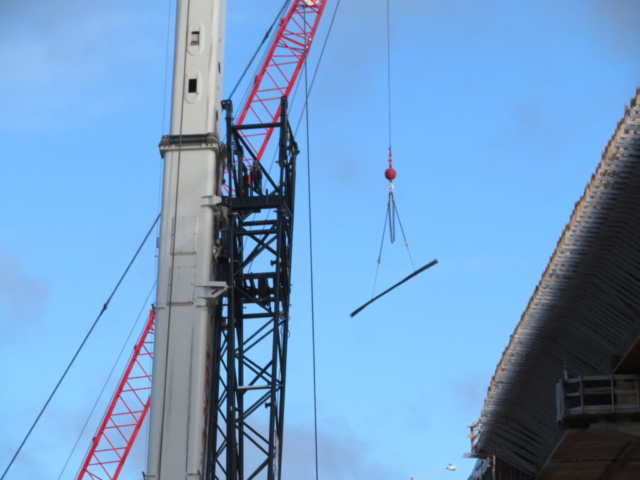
(583, 316)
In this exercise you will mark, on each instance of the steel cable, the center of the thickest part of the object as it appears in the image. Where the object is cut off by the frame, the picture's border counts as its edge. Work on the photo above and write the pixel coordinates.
(389, 66)
(384, 230)
(406, 242)
(313, 310)
(173, 257)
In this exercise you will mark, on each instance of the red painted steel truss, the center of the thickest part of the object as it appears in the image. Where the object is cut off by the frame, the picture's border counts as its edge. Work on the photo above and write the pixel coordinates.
(127, 410)
(280, 70)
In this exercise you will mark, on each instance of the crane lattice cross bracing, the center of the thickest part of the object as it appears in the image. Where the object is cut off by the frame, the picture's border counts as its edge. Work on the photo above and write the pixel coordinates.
(278, 74)
(127, 410)
(250, 351)
(252, 329)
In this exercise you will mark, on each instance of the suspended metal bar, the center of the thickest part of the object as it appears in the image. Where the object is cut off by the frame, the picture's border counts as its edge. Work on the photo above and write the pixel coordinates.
(420, 270)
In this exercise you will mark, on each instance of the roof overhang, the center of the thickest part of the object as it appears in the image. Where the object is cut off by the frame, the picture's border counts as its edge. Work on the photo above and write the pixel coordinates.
(583, 317)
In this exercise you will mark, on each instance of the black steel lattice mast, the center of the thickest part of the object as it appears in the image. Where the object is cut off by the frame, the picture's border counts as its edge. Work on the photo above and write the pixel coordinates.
(251, 326)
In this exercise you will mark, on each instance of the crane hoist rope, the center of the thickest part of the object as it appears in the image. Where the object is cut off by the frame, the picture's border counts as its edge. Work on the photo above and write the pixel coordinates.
(392, 215)
(390, 173)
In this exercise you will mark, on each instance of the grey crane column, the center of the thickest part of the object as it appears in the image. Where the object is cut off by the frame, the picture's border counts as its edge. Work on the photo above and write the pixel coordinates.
(187, 288)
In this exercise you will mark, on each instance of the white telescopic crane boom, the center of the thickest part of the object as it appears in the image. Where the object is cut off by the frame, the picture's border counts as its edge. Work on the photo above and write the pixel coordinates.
(187, 290)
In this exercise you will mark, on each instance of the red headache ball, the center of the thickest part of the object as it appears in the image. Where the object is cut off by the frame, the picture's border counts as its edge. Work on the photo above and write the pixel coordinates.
(390, 173)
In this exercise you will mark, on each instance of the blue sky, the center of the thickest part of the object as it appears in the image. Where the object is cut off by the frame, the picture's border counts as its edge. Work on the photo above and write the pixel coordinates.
(500, 112)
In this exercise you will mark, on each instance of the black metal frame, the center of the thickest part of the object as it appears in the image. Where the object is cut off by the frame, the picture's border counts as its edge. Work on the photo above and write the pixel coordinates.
(246, 417)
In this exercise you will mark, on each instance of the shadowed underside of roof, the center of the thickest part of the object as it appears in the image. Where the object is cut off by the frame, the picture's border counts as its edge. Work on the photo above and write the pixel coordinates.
(583, 316)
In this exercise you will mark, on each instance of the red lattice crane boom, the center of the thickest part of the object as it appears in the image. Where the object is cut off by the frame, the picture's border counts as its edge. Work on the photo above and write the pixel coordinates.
(127, 410)
(282, 66)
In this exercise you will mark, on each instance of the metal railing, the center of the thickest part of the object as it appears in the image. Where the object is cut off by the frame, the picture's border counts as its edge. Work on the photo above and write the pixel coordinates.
(598, 395)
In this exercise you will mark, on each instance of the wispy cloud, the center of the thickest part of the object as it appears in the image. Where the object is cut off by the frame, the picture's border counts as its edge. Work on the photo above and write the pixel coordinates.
(470, 391)
(341, 455)
(26, 465)
(24, 294)
(618, 18)
(61, 70)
